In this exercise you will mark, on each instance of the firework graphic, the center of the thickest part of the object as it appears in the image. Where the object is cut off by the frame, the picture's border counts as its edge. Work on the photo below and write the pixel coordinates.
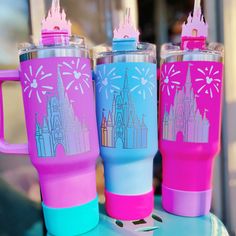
(75, 72)
(105, 81)
(145, 85)
(34, 83)
(168, 80)
(210, 82)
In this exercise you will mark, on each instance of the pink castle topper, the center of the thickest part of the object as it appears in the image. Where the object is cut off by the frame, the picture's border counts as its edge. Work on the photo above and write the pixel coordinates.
(55, 23)
(195, 26)
(127, 29)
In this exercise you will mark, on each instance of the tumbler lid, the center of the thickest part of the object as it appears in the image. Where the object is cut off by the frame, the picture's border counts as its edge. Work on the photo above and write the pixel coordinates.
(125, 45)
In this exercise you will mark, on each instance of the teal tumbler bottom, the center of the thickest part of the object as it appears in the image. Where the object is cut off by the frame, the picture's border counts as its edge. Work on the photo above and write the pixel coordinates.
(71, 221)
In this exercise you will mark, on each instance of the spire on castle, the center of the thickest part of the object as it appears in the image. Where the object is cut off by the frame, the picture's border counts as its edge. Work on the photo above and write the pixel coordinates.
(188, 83)
(126, 79)
(104, 122)
(37, 124)
(204, 115)
(143, 123)
(60, 85)
(45, 125)
(109, 121)
(126, 29)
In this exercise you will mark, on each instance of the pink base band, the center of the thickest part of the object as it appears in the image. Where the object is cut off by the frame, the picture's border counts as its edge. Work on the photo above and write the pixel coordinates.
(186, 203)
(129, 207)
(62, 191)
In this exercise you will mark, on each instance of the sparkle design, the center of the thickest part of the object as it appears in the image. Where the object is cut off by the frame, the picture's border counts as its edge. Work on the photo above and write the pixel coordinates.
(209, 83)
(105, 81)
(34, 83)
(184, 116)
(60, 126)
(168, 80)
(75, 73)
(145, 83)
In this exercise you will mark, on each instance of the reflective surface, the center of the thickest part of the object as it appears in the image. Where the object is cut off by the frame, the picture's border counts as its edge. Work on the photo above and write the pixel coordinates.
(75, 48)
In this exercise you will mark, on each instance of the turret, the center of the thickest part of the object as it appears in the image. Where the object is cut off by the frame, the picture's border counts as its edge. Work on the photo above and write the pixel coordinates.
(60, 86)
(188, 83)
(104, 122)
(38, 129)
(45, 125)
(143, 125)
(109, 122)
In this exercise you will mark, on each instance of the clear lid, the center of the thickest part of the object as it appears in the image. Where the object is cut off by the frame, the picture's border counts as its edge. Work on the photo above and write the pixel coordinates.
(169, 49)
(59, 42)
(142, 48)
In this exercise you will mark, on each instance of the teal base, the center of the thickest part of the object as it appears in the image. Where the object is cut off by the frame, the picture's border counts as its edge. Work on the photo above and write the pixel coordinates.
(71, 221)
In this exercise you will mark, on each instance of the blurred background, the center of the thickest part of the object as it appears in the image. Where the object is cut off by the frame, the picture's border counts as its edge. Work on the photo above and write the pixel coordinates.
(159, 21)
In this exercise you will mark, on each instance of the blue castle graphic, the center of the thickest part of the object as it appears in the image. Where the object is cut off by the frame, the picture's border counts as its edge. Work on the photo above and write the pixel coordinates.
(61, 127)
(122, 127)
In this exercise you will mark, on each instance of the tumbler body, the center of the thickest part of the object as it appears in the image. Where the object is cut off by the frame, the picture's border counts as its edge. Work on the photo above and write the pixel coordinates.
(126, 97)
(62, 134)
(190, 126)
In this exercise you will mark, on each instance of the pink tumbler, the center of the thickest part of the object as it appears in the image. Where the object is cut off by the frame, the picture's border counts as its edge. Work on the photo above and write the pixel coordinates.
(61, 125)
(190, 118)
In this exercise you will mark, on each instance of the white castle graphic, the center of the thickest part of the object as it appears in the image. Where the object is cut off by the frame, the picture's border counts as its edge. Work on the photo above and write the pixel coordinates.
(61, 127)
(184, 117)
(123, 124)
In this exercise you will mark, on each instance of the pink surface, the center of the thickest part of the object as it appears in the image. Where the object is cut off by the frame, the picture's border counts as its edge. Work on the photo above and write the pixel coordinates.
(190, 122)
(129, 207)
(61, 127)
(73, 189)
(192, 172)
(186, 203)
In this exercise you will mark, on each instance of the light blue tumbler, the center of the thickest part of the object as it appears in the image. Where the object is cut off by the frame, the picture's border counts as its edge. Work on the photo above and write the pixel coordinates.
(126, 104)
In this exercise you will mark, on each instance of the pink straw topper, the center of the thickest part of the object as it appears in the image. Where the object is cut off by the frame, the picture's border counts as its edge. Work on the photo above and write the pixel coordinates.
(195, 30)
(55, 28)
(126, 29)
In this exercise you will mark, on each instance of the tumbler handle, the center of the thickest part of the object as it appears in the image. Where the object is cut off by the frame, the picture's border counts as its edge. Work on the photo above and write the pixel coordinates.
(9, 75)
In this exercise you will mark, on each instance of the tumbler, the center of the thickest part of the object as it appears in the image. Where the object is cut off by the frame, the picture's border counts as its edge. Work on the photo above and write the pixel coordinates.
(61, 124)
(190, 117)
(126, 106)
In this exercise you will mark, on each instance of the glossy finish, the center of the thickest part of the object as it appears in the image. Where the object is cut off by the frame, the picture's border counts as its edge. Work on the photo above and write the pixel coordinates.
(191, 88)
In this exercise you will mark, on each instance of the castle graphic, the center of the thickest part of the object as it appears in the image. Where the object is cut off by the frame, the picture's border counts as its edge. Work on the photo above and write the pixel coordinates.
(61, 127)
(122, 127)
(184, 117)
